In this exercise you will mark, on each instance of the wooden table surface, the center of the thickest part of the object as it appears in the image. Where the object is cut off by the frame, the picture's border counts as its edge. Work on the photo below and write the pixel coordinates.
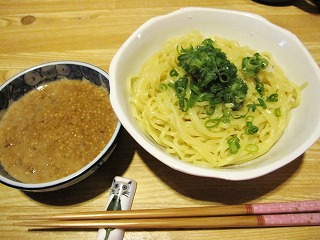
(36, 31)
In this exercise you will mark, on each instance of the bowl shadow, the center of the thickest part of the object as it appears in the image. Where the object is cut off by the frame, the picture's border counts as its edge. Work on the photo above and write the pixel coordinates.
(306, 6)
(195, 187)
(303, 5)
(219, 190)
(94, 185)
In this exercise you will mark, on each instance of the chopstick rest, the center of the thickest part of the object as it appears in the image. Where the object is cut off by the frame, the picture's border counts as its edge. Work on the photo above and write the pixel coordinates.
(121, 196)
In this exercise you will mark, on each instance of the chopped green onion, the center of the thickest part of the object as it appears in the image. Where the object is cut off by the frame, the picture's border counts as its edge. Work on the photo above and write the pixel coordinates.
(234, 144)
(240, 116)
(229, 105)
(225, 118)
(174, 73)
(251, 148)
(181, 87)
(259, 86)
(210, 109)
(249, 118)
(211, 123)
(163, 87)
(194, 88)
(277, 112)
(273, 97)
(183, 104)
(170, 84)
(253, 106)
(210, 75)
(262, 103)
(251, 66)
(251, 129)
(192, 99)
(206, 97)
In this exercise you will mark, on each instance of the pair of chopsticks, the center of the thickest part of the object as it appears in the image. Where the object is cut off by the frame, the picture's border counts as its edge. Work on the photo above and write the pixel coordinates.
(301, 213)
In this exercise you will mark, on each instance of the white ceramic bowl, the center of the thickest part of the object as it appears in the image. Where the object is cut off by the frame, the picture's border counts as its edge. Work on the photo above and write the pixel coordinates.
(248, 29)
(28, 80)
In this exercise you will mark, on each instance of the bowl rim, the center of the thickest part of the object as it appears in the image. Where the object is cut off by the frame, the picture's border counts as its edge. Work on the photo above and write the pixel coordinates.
(229, 174)
(98, 160)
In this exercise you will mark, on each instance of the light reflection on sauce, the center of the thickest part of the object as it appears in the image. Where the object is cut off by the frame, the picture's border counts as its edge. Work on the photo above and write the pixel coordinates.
(54, 132)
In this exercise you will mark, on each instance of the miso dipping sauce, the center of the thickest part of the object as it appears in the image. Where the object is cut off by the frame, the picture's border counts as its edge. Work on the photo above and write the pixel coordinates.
(56, 130)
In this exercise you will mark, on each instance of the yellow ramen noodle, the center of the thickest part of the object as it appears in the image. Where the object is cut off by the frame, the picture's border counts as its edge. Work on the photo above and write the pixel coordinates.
(184, 134)
(54, 132)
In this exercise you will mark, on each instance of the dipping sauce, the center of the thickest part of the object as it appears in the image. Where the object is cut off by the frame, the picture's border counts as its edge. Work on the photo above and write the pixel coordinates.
(55, 131)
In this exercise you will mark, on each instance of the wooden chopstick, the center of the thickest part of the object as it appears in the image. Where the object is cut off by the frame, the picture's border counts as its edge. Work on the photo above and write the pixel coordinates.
(301, 213)
(275, 220)
(204, 211)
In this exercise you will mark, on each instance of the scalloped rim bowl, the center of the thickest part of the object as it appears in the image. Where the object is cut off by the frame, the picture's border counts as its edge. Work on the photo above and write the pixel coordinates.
(248, 29)
(78, 69)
